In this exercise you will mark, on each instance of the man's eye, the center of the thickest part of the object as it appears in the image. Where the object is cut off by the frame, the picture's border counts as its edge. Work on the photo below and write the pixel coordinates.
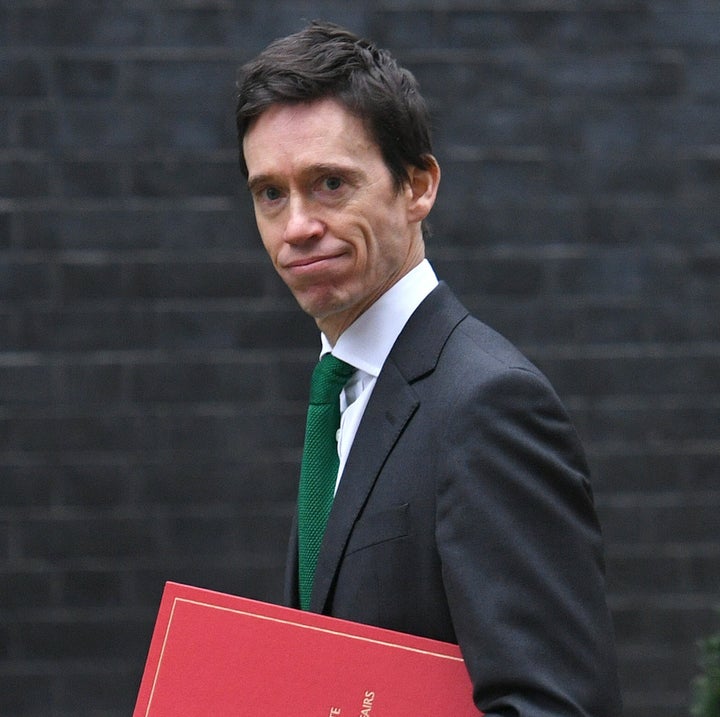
(332, 183)
(270, 194)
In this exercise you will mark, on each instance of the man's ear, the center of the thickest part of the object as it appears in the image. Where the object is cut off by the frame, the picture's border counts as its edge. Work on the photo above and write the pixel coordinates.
(422, 189)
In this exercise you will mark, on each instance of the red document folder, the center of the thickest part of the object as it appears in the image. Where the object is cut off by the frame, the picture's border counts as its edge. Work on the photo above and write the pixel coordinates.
(217, 655)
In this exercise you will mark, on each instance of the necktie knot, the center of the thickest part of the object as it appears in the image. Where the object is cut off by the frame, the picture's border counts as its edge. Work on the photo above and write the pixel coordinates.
(328, 379)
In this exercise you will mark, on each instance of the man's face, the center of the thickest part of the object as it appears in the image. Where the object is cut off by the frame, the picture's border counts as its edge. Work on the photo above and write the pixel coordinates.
(336, 229)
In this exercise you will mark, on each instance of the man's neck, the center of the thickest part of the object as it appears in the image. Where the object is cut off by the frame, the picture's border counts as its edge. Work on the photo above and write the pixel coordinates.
(333, 325)
(367, 342)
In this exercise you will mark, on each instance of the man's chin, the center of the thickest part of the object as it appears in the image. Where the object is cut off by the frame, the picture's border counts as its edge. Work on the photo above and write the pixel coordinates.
(318, 303)
(332, 315)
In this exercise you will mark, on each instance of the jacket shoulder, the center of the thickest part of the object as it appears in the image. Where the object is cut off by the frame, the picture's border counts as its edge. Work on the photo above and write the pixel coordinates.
(442, 326)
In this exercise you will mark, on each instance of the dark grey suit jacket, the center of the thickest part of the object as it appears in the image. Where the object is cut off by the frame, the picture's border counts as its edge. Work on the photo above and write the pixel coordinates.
(465, 514)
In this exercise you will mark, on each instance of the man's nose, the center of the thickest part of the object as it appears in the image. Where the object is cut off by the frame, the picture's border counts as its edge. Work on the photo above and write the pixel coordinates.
(302, 223)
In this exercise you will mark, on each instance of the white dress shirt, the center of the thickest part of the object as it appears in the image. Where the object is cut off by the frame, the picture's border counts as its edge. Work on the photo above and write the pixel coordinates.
(366, 344)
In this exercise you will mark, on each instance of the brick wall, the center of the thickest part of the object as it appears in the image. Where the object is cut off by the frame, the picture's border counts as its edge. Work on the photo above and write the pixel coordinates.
(153, 369)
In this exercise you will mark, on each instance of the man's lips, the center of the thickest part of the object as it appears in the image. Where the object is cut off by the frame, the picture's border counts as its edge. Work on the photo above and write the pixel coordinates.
(310, 262)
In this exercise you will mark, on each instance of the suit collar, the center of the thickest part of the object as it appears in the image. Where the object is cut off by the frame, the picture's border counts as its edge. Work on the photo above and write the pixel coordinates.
(418, 347)
(367, 343)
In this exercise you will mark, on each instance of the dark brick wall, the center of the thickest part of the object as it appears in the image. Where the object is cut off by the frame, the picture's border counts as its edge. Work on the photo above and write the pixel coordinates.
(153, 369)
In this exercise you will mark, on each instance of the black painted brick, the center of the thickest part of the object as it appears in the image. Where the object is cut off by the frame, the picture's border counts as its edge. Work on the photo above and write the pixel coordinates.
(77, 537)
(20, 178)
(198, 382)
(200, 482)
(85, 329)
(93, 178)
(76, 78)
(103, 689)
(22, 694)
(23, 77)
(48, 640)
(109, 228)
(193, 280)
(186, 178)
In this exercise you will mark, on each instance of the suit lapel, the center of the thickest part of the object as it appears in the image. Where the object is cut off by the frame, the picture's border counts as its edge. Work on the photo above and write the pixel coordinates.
(380, 428)
(391, 406)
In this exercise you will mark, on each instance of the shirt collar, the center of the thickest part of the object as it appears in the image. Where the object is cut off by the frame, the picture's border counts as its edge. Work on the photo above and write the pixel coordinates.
(366, 343)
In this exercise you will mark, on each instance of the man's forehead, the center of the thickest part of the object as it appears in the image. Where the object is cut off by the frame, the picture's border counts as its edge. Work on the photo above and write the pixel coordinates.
(307, 135)
(324, 113)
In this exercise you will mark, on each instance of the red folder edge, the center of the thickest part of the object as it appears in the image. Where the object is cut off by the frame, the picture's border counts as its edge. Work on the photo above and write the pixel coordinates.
(212, 652)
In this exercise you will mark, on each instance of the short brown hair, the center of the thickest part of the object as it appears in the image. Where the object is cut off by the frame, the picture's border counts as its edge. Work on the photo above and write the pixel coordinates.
(325, 60)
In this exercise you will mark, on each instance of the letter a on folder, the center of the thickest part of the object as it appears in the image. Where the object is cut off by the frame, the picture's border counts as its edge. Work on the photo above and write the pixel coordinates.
(217, 654)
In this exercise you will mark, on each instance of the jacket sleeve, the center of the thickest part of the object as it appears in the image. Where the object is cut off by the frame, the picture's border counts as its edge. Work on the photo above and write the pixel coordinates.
(521, 553)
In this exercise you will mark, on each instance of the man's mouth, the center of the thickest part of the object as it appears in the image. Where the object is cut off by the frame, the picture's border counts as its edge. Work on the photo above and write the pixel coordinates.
(311, 262)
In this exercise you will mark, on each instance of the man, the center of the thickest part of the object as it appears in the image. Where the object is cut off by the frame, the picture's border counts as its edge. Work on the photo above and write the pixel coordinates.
(463, 510)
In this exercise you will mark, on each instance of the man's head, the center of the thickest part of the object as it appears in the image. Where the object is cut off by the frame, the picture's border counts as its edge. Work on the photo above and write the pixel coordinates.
(339, 197)
(325, 60)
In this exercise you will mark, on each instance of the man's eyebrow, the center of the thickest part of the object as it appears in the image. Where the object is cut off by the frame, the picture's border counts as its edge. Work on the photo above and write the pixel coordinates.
(321, 169)
(258, 180)
(343, 170)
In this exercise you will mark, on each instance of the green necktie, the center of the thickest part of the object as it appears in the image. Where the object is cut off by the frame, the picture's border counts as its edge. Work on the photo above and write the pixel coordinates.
(318, 472)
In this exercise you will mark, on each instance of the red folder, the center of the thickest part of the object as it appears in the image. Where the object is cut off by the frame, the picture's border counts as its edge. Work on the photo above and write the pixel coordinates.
(217, 655)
